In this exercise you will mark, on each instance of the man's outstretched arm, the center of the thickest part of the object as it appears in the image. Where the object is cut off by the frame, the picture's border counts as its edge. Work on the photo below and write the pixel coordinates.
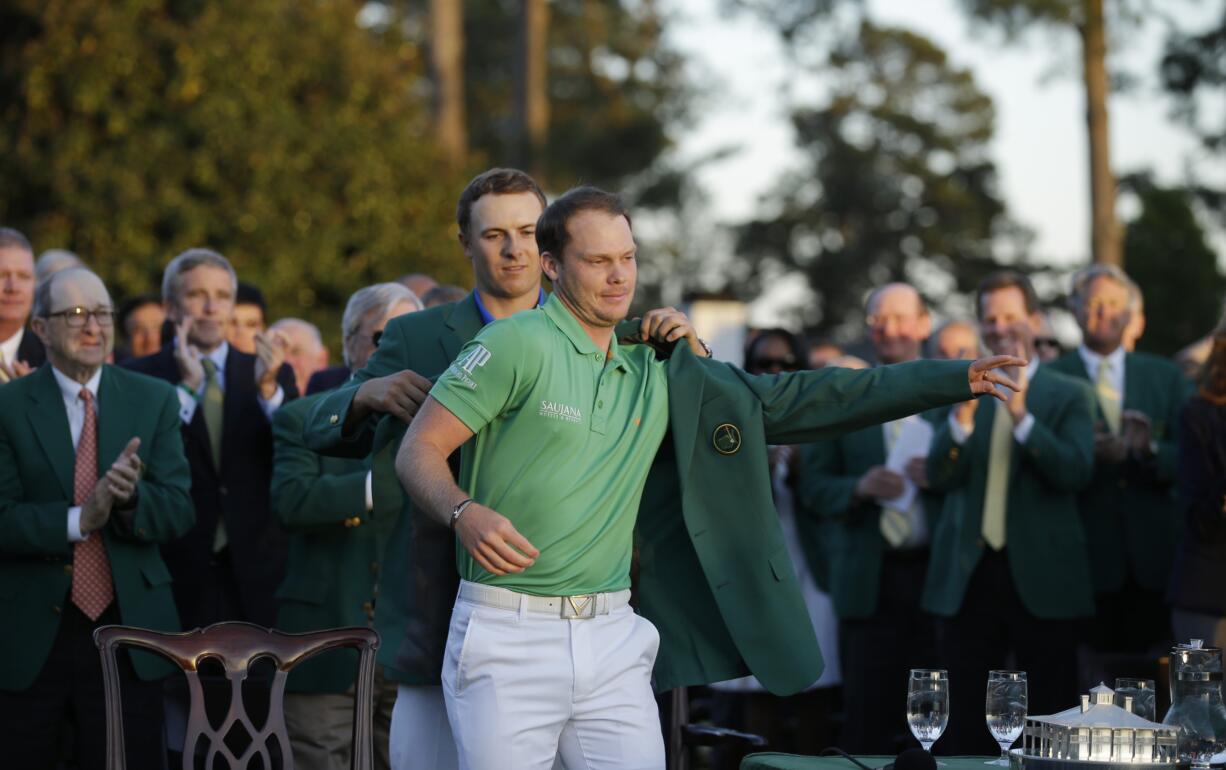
(421, 465)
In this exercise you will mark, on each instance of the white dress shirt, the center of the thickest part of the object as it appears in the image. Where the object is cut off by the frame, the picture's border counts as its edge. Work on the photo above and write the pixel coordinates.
(1021, 431)
(71, 391)
(8, 348)
(1115, 367)
(187, 402)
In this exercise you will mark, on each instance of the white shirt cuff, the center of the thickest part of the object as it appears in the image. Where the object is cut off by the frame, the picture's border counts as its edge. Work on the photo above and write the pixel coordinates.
(74, 525)
(271, 405)
(370, 495)
(187, 405)
(958, 433)
(1021, 431)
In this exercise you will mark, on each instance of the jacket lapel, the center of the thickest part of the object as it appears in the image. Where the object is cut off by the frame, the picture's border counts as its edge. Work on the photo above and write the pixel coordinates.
(684, 406)
(113, 415)
(462, 324)
(49, 421)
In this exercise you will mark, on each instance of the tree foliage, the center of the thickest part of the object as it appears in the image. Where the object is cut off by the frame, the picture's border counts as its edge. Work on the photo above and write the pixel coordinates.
(277, 131)
(895, 182)
(615, 88)
(1166, 253)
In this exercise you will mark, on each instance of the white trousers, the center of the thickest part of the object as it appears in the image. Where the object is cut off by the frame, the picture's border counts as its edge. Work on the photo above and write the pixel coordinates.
(524, 687)
(420, 736)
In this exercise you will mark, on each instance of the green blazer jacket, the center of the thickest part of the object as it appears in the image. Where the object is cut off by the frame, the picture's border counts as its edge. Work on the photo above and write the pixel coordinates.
(1130, 513)
(334, 552)
(847, 531)
(36, 486)
(714, 572)
(1044, 535)
(418, 579)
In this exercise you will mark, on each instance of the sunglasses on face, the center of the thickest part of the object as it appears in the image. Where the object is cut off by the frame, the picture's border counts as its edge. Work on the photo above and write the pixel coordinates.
(762, 364)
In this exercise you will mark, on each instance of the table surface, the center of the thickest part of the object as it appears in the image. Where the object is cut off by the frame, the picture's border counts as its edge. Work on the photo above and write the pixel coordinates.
(773, 761)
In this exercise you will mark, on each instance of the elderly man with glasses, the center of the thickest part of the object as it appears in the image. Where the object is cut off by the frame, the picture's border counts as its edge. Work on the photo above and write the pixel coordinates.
(92, 480)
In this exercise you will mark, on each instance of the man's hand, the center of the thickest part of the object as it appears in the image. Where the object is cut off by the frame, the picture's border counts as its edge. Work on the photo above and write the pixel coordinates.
(13, 370)
(187, 357)
(269, 355)
(1016, 401)
(1108, 448)
(879, 483)
(96, 510)
(400, 395)
(667, 324)
(917, 470)
(124, 473)
(493, 541)
(1136, 433)
(984, 378)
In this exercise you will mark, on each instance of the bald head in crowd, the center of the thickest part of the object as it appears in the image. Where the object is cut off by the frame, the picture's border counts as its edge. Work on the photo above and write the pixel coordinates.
(956, 340)
(304, 348)
(898, 322)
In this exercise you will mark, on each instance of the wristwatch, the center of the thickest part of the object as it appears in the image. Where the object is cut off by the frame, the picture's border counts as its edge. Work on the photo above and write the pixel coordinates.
(458, 509)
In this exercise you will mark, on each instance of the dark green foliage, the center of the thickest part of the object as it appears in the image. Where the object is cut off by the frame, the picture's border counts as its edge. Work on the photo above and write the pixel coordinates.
(1166, 254)
(896, 179)
(276, 131)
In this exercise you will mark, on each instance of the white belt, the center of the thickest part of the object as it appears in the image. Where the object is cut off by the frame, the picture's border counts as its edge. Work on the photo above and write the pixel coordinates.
(561, 607)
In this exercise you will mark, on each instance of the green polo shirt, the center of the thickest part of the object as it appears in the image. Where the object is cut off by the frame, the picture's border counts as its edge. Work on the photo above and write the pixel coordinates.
(564, 440)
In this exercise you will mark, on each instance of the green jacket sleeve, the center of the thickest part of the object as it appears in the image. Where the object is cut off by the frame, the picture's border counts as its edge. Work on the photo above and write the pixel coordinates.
(322, 431)
(1062, 452)
(800, 407)
(303, 496)
(28, 529)
(164, 508)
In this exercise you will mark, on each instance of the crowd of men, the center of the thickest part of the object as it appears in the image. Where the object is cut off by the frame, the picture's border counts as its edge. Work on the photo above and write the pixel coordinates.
(481, 484)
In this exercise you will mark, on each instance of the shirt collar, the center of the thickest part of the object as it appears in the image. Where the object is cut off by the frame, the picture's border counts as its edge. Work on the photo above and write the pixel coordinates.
(72, 389)
(569, 325)
(218, 357)
(10, 346)
(487, 317)
(1115, 360)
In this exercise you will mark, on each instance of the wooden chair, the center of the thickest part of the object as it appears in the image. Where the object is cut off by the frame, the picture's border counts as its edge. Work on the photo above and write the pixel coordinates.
(236, 646)
(684, 735)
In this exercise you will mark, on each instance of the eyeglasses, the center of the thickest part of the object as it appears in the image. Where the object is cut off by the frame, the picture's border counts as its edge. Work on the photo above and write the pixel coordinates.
(77, 317)
(788, 364)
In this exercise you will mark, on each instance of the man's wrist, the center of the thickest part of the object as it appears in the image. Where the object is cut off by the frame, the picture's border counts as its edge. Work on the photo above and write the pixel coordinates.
(457, 510)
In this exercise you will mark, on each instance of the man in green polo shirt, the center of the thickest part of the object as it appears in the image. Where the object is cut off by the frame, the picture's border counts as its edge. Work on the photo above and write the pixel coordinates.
(567, 422)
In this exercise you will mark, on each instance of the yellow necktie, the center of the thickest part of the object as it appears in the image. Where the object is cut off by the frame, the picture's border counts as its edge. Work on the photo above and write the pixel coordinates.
(894, 525)
(214, 412)
(996, 495)
(1108, 397)
(3, 377)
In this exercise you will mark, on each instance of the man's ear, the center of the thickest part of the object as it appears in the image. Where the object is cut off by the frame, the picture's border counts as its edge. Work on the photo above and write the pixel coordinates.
(549, 265)
(39, 327)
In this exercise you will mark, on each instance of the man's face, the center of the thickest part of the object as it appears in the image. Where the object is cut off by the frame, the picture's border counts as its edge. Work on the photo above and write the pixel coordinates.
(361, 346)
(898, 324)
(88, 346)
(957, 341)
(246, 322)
(206, 295)
(501, 242)
(1005, 325)
(303, 352)
(1104, 314)
(143, 328)
(597, 274)
(771, 355)
(16, 284)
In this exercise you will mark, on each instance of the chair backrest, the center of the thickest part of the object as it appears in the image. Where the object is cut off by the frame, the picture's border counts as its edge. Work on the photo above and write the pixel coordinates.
(236, 646)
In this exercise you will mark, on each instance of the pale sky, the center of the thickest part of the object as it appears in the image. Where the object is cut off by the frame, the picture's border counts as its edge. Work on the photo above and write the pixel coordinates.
(1040, 144)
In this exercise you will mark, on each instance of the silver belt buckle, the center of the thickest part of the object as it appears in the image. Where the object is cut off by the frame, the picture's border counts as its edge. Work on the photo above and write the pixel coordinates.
(582, 606)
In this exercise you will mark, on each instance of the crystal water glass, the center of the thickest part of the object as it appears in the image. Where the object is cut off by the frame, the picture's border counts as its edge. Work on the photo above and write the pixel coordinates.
(1144, 696)
(1005, 710)
(927, 704)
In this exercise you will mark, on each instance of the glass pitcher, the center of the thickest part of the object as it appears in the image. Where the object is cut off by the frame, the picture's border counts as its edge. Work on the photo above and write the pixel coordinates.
(1196, 702)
